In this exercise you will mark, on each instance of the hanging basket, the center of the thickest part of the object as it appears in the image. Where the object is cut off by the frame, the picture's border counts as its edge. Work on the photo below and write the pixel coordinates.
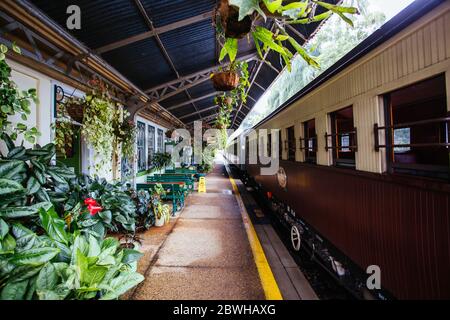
(229, 18)
(75, 111)
(225, 81)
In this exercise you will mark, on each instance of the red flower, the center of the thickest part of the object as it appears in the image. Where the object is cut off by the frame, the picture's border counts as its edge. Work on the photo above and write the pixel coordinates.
(90, 202)
(92, 206)
(93, 210)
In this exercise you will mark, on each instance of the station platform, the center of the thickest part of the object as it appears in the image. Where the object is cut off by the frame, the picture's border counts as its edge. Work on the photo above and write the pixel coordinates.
(212, 251)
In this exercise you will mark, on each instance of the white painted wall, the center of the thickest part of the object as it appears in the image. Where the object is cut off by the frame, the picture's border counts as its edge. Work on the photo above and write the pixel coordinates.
(41, 113)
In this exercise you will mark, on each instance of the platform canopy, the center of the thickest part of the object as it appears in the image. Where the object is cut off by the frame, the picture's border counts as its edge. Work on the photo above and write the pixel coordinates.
(168, 49)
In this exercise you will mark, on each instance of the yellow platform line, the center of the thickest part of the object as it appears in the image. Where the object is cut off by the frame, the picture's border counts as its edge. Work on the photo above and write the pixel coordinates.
(268, 282)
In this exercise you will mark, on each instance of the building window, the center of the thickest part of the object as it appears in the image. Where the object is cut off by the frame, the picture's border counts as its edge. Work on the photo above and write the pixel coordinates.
(417, 134)
(150, 144)
(343, 138)
(291, 143)
(160, 146)
(142, 163)
(309, 143)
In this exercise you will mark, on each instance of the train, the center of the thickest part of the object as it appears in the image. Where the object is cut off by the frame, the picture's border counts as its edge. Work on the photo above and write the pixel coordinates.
(363, 182)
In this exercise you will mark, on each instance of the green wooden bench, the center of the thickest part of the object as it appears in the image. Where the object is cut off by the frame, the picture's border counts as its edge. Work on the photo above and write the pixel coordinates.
(175, 192)
(168, 177)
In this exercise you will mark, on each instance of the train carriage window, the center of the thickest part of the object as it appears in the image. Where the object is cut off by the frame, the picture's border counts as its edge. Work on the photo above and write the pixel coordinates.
(343, 139)
(418, 130)
(291, 143)
(309, 143)
(280, 146)
(247, 149)
(269, 145)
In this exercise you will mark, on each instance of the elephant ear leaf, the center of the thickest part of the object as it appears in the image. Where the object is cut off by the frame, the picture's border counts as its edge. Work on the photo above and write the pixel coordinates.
(121, 284)
(4, 229)
(54, 225)
(47, 278)
(14, 291)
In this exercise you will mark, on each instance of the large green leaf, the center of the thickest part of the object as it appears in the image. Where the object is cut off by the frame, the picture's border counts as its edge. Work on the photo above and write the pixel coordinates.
(4, 229)
(230, 48)
(54, 225)
(121, 284)
(16, 153)
(302, 52)
(130, 256)
(47, 278)
(9, 188)
(33, 185)
(247, 7)
(273, 5)
(14, 291)
(8, 244)
(267, 38)
(9, 168)
(21, 212)
(35, 256)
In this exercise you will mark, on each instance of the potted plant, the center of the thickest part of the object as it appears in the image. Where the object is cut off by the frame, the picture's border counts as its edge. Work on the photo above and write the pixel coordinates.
(161, 211)
(75, 109)
(161, 160)
(225, 80)
(227, 19)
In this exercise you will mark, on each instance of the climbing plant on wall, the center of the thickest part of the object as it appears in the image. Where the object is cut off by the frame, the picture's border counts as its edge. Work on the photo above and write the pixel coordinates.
(97, 128)
(14, 101)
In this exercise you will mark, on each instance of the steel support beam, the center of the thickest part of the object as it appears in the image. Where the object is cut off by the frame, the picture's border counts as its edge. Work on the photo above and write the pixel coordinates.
(198, 112)
(174, 87)
(194, 100)
(154, 32)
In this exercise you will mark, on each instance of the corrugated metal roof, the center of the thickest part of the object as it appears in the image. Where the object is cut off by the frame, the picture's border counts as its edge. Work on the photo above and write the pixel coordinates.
(191, 48)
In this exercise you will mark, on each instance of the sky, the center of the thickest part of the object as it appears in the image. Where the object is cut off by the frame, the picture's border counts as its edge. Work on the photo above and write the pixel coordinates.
(390, 7)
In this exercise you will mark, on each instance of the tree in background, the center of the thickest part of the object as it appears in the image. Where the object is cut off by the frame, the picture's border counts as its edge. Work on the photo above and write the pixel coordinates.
(335, 39)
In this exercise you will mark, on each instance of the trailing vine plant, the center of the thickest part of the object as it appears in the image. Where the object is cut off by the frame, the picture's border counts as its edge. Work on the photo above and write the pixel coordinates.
(63, 130)
(97, 128)
(15, 102)
(124, 132)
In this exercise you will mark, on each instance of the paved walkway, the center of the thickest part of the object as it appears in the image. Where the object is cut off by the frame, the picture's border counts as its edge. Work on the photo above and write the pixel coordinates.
(204, 254)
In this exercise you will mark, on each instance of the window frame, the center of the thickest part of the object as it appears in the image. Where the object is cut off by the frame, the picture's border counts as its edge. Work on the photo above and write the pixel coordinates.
(307, 151)
(336, 145)
(291, 144)
(417, 170)
(151, 139)
(141, 145)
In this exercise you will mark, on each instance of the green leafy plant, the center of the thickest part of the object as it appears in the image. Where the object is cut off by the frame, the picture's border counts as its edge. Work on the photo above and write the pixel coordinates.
(64, 131)
(161, 160)
(118, 209)
(15, 102)
(145, 214)
(160, 210)
(97, 128)
(28, 178)
(57, 264)
(124, 132)
(283, 12)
